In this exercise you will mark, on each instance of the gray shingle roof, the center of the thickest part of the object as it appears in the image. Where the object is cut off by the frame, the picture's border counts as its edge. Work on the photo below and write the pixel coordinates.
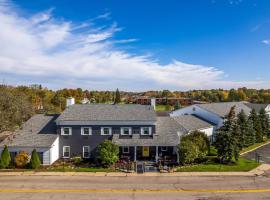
(168, 133)
(222, 109)
(256, 106)
(38, 131)
(191, 122)
(108, 112)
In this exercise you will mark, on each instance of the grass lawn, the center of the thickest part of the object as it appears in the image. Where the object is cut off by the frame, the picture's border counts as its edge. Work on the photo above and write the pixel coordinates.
(254, 146)
(242, 165)
(163, 108)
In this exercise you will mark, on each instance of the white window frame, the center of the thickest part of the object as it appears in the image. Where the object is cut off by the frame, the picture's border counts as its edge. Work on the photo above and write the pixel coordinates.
(129, 131)
(88, 151)
(125, 147)
(164, 149)
(102, 130)
(149, 129)
(64, 152)
(63, 132)
(89, 128)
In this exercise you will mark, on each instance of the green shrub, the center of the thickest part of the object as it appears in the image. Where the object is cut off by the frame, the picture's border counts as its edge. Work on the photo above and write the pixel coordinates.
(188, 152)
(5, 158)
(35, 161)
(193, 147)
(108, 153)
(76, 160)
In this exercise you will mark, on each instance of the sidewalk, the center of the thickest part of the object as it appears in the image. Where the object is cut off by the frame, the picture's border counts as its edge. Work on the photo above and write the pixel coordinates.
(255, 172)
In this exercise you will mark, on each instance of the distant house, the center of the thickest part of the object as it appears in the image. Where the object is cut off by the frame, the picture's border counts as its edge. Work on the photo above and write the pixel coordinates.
(215, 113)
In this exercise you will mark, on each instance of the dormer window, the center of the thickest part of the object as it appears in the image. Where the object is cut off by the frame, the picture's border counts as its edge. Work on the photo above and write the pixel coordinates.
(146, 130)
(86, 131)
(66, 131)
(126, 131)
(106, 131)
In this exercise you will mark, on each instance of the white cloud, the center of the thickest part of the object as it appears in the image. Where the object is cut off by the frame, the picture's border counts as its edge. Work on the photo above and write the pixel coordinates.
(267, 42)
(58, 53)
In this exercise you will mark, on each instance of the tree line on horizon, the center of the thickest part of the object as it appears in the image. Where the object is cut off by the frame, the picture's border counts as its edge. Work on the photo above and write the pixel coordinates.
(19, 103)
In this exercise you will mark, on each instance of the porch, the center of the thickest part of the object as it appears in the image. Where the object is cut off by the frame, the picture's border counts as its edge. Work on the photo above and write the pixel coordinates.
(157, 154)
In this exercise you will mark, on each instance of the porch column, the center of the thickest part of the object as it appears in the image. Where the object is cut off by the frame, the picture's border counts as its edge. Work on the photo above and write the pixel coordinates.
(135, 153)
(177, 154)
(156, 154)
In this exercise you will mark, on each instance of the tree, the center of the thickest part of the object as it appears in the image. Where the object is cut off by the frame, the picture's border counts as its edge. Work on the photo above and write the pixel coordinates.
(108, 153)
(117, 98)
(247, 131)
(194, 146)
(228, 142)
(22, 159)
(264, 120)
(177, 105)
(5, 158)
(35, 161)
(256, 125)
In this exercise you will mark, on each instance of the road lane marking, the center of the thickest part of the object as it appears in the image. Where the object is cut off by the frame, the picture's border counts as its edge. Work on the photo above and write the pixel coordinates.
(133, 191)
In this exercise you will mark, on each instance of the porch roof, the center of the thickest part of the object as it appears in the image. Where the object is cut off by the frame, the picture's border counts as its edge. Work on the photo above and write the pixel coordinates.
(168, 133)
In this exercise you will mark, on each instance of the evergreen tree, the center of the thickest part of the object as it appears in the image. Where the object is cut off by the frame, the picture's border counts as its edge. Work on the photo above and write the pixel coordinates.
(250, 137)
(5, 158)
(264, 120)
(117, 98)
(35, 161)
(242, 121)
(256, 125)
(228, 142)
(177, 105)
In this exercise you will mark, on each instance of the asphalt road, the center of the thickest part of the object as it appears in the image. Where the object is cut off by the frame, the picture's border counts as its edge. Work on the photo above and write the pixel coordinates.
(125, 188)
(263, 152)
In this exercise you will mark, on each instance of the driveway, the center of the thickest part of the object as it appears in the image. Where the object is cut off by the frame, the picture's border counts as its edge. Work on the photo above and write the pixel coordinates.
(263, 152)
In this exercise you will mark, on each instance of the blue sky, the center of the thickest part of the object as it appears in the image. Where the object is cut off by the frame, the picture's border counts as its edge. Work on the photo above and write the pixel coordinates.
(136, 45)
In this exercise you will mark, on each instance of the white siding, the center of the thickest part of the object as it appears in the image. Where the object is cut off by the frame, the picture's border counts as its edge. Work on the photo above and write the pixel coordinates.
(54, 151)
(207, 131)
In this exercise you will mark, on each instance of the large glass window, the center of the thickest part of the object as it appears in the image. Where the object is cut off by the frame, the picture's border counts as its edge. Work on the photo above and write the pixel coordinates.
(146, 131)
(106, 131)
(86, 151)
(126, 131)
(66, 151)
(66, 131)
(86, 131)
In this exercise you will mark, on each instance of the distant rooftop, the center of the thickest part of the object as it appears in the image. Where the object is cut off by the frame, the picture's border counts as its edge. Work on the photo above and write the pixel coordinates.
(108, 112)
(191, 122)
(223, 108)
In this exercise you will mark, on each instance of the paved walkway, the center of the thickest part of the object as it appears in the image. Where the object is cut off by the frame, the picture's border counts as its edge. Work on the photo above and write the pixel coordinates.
(255, 172)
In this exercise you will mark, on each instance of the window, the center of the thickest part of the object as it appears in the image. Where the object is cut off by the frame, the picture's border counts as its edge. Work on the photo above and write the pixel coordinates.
(66, 131)
(126, 131)
(146, 131)
(106, 131)
(163, 148)
(125, 149)
(86, 151)
(86, 131)
(66, 151)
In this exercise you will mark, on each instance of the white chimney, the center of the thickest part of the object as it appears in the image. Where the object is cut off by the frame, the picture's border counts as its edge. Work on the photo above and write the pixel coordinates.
(153, 103)
(70, 101)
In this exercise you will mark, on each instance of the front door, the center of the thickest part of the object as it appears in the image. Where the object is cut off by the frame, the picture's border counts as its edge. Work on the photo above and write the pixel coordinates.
(145, 152)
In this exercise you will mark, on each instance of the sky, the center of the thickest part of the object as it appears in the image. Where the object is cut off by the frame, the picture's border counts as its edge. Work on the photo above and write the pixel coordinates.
(135, 45)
